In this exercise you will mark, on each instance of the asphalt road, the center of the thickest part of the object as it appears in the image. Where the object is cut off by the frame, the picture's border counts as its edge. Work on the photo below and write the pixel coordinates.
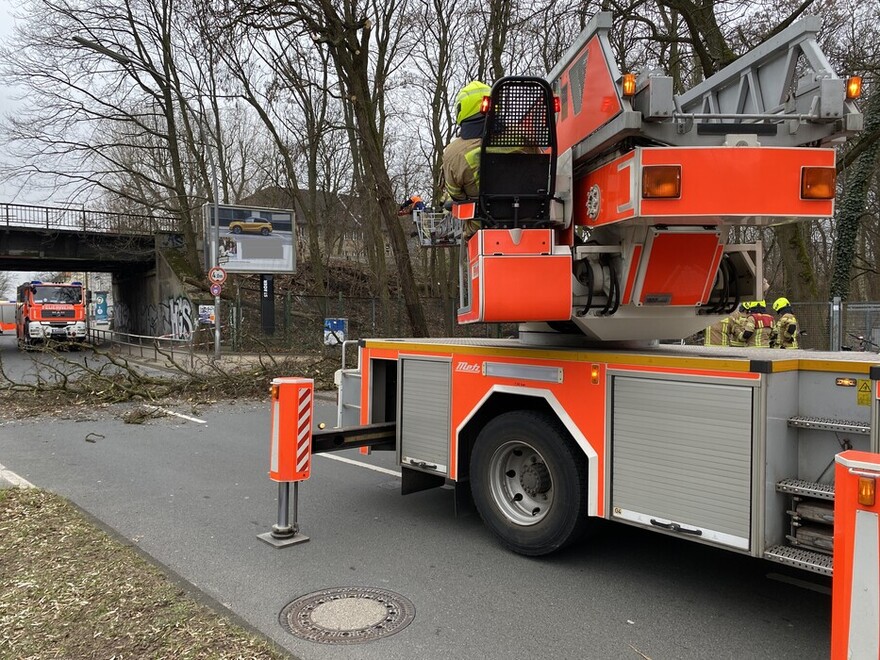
(194, 497)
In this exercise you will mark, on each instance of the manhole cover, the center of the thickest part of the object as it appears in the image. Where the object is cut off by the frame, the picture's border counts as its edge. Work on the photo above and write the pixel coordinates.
(347, 615)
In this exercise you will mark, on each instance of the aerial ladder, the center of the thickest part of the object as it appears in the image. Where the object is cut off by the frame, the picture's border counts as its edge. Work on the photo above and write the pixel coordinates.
(613, 220)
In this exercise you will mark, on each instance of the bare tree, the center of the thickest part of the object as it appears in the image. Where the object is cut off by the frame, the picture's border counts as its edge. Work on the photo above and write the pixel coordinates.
(119, 113)
(361, 38)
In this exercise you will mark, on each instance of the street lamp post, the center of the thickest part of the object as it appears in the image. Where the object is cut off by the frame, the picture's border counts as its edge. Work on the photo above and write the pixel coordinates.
(215, 243)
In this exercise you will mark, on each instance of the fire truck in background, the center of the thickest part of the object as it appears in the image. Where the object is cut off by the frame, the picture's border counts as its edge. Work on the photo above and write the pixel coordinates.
(7, 316)
(50, 311)
(613, 233)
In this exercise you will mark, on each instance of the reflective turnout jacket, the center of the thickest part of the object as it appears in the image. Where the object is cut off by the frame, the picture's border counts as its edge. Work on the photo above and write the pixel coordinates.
(757, 330)
(786, 331)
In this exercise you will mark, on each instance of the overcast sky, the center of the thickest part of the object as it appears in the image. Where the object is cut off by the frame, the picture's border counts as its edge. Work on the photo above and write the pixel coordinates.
(7, 193)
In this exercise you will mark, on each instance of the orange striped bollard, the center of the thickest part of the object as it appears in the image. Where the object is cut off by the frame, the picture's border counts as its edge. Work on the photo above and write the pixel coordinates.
(855, 590)
(290, 455)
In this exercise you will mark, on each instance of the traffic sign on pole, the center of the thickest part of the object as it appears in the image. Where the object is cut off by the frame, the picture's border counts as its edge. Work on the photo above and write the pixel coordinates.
(217, 275)
(216, 289)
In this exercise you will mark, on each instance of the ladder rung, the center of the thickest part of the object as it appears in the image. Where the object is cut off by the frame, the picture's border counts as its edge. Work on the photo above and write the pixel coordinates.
(828, 424)
(805, 559)
(806, 488)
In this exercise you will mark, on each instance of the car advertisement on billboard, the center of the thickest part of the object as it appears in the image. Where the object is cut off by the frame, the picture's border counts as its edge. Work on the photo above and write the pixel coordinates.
(252, 239)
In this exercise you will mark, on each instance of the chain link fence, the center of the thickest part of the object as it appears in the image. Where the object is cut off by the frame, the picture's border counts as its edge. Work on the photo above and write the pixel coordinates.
(299, 323)
(834, 326)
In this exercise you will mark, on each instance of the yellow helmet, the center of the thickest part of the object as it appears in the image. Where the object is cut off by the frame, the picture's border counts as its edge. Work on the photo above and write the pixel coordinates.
(469, 100)
(779, 303)
(747, 305)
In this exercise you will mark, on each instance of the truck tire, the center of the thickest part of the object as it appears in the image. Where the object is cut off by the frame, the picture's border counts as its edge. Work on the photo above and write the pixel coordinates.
(529, 482)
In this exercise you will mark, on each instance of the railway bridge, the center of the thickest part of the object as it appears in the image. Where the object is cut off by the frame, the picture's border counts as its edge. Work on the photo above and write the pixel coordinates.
(148, 297)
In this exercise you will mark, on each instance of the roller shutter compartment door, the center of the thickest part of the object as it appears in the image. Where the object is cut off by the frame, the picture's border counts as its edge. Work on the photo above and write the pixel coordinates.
(424, 414)
(681, 458)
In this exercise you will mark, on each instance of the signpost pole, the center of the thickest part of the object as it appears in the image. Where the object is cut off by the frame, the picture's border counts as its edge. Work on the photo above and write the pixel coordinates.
(216, 259)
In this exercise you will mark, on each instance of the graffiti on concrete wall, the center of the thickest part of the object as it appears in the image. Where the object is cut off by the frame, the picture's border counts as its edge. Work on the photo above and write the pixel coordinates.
(181, 318)
(174, 318)
(121, 317)
(151, 321)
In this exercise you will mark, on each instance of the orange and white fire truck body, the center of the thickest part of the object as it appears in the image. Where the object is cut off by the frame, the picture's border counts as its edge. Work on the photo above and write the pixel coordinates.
(7, 316)
(50, 311)
(584, 415)
(729, 447)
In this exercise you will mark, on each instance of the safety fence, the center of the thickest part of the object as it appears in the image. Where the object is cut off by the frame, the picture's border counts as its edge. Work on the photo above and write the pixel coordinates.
(160, 349)
(68, 219)
(309, 324)
(299, 323)
(834, 326)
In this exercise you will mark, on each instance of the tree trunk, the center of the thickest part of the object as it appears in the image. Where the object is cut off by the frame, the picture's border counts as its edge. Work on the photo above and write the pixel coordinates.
(852, 205)
(799, 277)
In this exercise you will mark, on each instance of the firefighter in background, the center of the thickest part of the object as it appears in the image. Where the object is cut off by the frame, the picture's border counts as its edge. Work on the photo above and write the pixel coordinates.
(786, 329)
(412, 203)
(758, 326)
(717, 334)
(736, 325)
(721, 333)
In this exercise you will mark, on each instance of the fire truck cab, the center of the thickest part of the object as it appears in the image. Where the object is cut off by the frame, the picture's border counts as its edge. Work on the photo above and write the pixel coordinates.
(50, 311)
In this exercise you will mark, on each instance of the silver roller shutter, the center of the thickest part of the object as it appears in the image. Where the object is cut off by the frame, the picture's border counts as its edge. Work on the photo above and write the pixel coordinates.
(424, 413)
(682, 457)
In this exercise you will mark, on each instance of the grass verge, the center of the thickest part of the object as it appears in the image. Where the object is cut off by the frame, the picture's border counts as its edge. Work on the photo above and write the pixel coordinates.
(69, 590)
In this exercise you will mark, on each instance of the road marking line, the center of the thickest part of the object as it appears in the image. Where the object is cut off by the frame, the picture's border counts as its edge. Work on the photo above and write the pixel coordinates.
(342, 459)
(14, 479)
(177, 414)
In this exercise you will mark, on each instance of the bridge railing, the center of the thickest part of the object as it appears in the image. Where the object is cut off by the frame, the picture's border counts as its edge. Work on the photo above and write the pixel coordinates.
(146, 346)
(68, 219)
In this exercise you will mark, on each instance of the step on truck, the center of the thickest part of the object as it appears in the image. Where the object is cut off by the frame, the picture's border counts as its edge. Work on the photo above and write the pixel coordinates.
(605, 218)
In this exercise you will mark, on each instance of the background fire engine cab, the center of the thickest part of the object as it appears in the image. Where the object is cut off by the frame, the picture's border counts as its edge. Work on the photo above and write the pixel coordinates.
(583, 415)
(49, 311)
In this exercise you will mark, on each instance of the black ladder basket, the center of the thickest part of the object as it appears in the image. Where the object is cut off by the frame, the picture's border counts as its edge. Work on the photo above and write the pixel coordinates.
(518, 154)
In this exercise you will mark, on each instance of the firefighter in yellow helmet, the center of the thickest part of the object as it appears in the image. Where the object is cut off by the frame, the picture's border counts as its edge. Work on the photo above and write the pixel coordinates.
(758, 326)
(786, 328)
(461, 158)
(737, 325)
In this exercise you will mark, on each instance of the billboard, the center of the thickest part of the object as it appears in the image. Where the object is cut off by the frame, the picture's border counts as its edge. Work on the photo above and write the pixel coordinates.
(252, 239)
(100, 313)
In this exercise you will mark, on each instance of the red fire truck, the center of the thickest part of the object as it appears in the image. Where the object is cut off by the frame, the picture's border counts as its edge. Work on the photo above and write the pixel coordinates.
(49, 311)
(613, 233)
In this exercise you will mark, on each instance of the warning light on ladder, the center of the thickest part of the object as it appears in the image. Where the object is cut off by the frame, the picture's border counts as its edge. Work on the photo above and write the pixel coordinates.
(853, 87)
(629, 84)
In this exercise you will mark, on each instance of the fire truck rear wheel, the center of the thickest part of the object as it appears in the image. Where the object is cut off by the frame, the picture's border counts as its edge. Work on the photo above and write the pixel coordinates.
(529, 482)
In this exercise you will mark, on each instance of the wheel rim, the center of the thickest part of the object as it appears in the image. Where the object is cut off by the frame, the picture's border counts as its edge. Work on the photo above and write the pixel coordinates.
(520, 483)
